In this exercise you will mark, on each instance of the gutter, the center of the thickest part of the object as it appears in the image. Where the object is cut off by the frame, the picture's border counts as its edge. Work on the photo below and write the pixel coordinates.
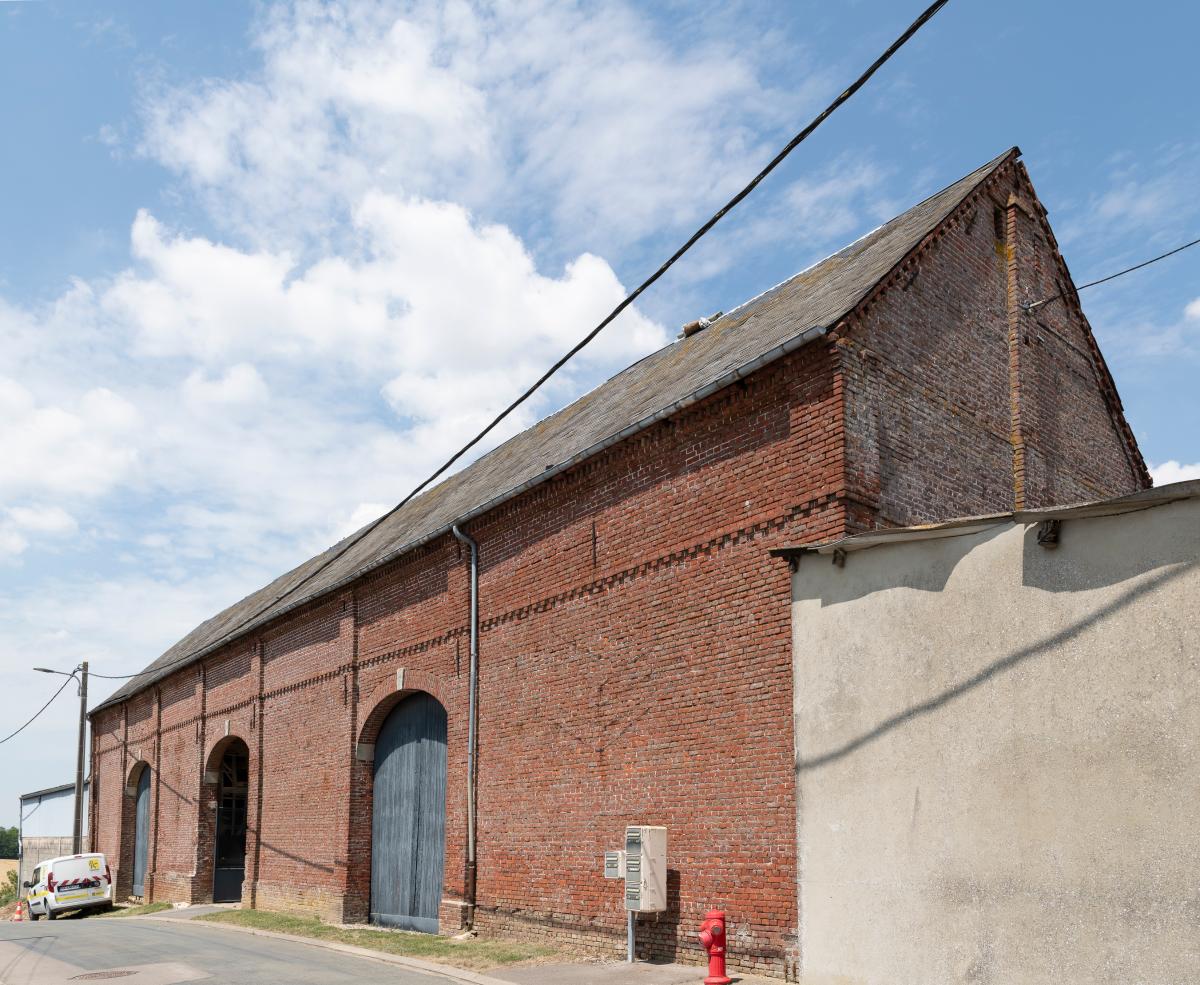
(472, 718)
(770, 356)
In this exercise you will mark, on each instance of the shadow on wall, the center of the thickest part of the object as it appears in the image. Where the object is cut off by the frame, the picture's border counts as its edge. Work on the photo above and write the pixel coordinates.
(673, 458)
(658, 936)
(299, 860)
(232, 668)
(945, 555)
(1000, 666)
(1124, 552)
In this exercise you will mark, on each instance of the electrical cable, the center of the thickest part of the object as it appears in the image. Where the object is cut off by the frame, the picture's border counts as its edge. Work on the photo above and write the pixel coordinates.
(1029, 307)
(633, 295)
(40, 710)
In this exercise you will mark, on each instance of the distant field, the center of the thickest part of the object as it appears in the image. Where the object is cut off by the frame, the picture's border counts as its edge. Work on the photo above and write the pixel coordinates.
(7, 865)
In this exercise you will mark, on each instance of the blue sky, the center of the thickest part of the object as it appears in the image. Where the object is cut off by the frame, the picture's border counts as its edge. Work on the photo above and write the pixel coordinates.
(263, 266)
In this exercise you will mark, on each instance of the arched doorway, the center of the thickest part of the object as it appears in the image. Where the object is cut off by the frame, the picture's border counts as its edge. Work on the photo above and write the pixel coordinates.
(141, 831)
(229, 858)
(408, 820)
(133, 860)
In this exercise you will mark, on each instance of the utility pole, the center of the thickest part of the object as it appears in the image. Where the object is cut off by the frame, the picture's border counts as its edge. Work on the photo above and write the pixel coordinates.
(82, 671)
(78, 832)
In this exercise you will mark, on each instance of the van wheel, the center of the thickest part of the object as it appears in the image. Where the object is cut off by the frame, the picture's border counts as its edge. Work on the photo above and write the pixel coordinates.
(34, 917)
(49, 913)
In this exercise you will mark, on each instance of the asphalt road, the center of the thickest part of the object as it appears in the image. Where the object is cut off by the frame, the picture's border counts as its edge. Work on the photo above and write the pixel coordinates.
(163, 952)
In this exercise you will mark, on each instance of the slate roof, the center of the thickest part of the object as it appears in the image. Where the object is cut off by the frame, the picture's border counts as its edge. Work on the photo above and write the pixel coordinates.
(764, 328)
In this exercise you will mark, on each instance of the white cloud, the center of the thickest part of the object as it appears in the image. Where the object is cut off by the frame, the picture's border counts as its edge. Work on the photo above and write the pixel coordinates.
(347, 95)
(12, 541)
(1173, 471)
(363, 286)
(81, 450)
(1147, 205)
(43, 519)
(828, 203)
(260, 399)
(1138, 202)
(241, 384)
(429, 289)
(18, 523)
(581, 109)
(360, 516)
(1179, 339)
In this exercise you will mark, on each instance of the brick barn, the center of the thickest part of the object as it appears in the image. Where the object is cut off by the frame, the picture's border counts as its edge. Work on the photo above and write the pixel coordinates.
(308, 748)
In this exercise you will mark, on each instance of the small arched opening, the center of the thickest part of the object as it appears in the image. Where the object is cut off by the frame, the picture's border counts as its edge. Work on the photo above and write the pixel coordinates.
(226, 786)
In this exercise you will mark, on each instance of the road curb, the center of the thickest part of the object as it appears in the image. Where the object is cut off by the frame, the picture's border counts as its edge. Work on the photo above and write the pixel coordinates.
(416, 964)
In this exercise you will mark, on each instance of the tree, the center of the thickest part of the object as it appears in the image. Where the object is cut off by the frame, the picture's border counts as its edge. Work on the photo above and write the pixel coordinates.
(8, 842)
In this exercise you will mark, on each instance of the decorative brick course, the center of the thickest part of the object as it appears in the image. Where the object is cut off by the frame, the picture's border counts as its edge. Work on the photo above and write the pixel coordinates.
(635, 662)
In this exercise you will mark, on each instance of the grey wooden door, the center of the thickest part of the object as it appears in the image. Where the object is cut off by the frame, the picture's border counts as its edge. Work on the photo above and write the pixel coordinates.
(408, 823)
(141, 832)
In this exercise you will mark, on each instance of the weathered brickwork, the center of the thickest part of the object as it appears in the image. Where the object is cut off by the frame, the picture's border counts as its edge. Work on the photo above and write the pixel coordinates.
(1077, 444)
(635, 662)
(927, 437)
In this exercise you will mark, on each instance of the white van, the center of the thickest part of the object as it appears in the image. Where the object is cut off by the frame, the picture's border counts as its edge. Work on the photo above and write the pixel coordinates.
(70, 882)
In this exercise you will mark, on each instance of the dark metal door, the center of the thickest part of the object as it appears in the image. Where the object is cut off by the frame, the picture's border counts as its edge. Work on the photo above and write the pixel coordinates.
(141, 832)
(230, 868)
(409, 818)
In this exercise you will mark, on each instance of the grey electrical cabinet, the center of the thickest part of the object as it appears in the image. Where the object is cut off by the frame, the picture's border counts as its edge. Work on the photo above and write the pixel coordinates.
(645, 869)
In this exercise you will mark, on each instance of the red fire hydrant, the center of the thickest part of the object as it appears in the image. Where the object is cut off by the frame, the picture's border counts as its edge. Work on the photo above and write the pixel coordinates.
(712, 939)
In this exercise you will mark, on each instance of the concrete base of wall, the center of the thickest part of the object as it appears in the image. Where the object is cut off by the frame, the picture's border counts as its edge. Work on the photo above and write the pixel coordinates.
(291, 898)
(36, 850)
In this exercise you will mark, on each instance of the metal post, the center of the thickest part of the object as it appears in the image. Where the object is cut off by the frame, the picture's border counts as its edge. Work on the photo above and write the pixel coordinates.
(629, 939)
(472, 726)
(78, 832)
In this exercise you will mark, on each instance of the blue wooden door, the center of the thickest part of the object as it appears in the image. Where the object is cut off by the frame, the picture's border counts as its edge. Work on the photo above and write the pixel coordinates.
(408, 823)
(141, 832)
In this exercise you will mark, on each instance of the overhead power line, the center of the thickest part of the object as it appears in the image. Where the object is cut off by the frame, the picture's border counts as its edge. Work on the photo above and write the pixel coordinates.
(40, 710)
(791, 145)
(1033, 306)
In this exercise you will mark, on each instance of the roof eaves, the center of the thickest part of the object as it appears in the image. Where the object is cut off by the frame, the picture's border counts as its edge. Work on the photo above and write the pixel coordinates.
(1144, 499)
(894, 535)
(64, 788)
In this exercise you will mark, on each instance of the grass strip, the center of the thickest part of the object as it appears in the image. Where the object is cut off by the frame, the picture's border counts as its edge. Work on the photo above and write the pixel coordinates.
(137, 911)
(477, 954)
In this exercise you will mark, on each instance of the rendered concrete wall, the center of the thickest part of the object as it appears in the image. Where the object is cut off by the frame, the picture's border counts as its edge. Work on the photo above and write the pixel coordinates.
(997, 756)
(37, 849)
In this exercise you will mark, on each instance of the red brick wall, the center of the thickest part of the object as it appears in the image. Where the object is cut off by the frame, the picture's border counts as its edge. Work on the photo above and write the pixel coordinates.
(635, 668)
(1076, 445)
(635, 652)
(929, 409)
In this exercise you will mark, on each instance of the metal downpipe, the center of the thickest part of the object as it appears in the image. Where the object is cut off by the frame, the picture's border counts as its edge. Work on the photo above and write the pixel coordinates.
(473, 676)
